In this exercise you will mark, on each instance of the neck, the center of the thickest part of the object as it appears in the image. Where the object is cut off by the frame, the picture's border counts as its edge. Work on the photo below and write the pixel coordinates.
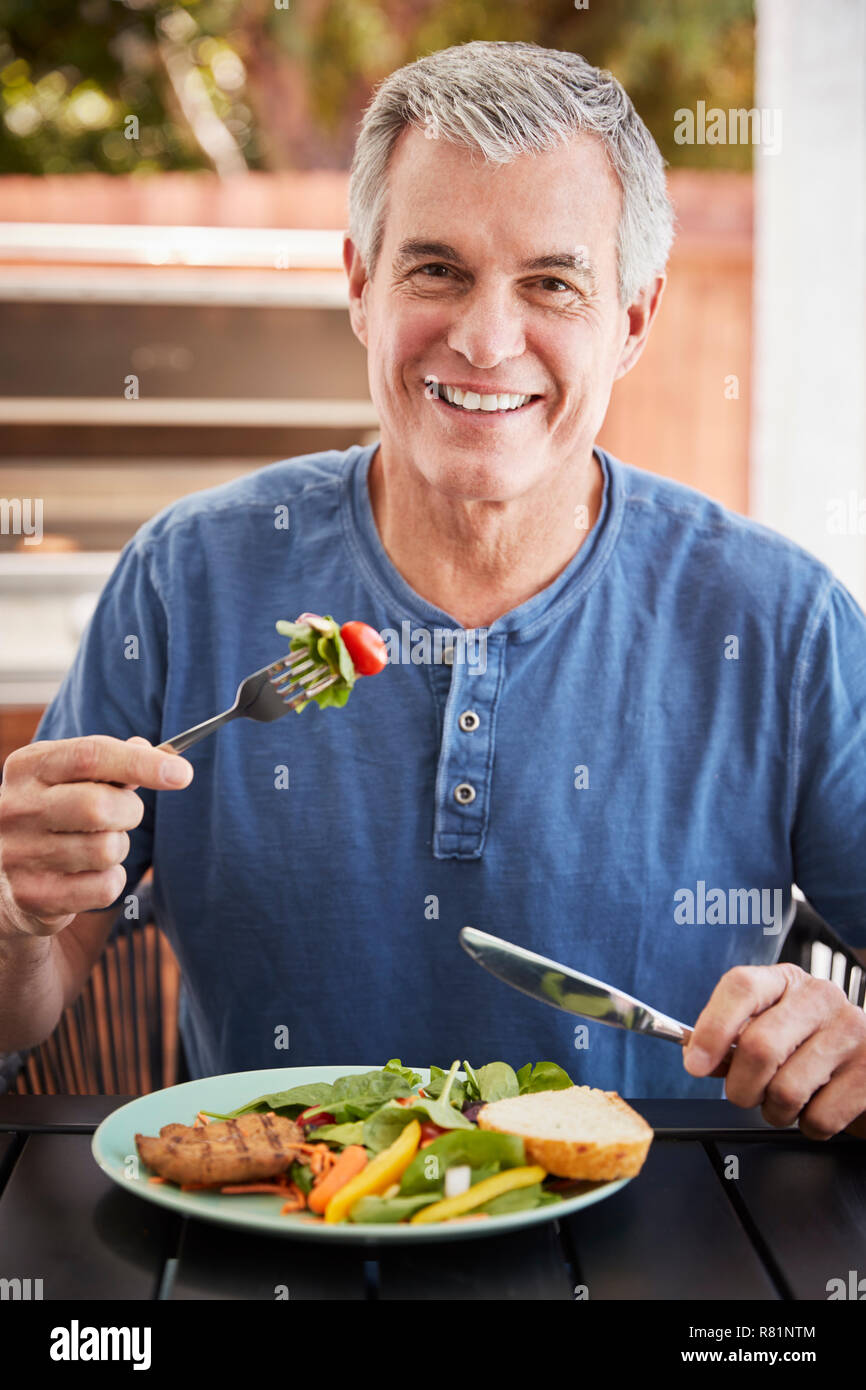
(477, 560)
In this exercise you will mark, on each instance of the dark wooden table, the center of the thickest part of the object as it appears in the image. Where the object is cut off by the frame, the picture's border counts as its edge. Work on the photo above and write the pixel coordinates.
(793, 1219)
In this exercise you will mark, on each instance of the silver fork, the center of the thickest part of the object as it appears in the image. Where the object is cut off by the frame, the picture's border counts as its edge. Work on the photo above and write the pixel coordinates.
(265, 695)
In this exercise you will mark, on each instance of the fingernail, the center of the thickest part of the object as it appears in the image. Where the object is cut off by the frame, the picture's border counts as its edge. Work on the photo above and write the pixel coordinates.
(697, 1060)
(177, 771)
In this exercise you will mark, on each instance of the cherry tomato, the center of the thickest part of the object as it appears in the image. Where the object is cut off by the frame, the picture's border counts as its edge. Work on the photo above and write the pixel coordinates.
(308, 1120)
(429, 1132)
(366, 648)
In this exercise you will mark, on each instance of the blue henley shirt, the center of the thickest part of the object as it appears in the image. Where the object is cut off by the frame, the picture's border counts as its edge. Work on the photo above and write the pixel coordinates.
(664, 739)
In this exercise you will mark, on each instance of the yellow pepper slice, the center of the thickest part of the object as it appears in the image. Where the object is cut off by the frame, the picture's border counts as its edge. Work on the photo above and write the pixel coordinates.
(479, 1194)
(386, 1168)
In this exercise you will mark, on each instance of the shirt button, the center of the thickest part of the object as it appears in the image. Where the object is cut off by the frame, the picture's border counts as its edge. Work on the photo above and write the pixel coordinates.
(448, 656)
(464, 793)
(469, 721)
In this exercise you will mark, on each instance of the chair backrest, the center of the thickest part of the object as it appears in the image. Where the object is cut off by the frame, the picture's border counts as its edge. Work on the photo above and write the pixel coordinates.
(815, 947)
(120, 1037)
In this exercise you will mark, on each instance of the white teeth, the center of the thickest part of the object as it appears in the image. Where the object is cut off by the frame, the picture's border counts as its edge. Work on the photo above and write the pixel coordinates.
(471, 400)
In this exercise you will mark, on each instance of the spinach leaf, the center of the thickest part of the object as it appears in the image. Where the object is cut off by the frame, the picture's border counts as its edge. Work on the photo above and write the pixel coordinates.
(473, 1090)
(351, 1133)
(436, 1085)
(519, 1199)
(480, 1148)
(409, 1076)
(544, 1076)
(356, 1097)
(389, 1208)
(290, 1102)
(523, 1076)
(382, 1128)
(497, 1081)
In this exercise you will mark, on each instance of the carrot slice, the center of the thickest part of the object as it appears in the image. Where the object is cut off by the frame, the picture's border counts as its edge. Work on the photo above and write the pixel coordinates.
(297, 1201)
(351, 1162)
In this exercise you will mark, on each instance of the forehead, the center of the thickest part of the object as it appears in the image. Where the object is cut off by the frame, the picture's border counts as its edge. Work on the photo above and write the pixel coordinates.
(569, 194)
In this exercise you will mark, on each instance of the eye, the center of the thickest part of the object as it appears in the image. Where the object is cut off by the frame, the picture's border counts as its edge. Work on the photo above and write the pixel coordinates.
(433, 266)
(552, 280)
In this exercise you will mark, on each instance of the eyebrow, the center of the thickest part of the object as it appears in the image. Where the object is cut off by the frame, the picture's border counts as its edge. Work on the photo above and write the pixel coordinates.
(579, 265)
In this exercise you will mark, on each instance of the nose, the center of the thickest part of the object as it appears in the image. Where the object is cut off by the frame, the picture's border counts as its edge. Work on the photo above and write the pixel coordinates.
(487, 328)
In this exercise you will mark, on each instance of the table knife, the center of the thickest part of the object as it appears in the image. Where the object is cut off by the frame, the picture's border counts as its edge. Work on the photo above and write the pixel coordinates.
(567, 989)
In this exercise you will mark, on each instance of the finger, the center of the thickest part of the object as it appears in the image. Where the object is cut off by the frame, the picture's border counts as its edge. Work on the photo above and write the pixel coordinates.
(799, 1084)
(50, 896)
(81, 806)
(101, 758)
(137, 738)
(840, 1104)
(74, 854)
(772, 1037)
(722, 1068)
(741, 993)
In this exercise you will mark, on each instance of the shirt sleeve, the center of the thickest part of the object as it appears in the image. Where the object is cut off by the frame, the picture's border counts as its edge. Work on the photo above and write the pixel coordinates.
(829, 731)
(116, 682)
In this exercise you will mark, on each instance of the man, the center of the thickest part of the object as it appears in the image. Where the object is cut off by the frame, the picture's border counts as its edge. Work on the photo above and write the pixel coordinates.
(660, 731)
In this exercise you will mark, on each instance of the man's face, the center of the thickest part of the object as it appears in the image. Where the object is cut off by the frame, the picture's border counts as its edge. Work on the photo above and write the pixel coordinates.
(493, 279)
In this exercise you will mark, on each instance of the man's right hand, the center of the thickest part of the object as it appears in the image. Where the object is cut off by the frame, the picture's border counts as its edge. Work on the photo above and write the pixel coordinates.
(65, 808)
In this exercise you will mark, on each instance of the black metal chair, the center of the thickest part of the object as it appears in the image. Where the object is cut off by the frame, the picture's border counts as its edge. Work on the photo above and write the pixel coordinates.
(120, 1037)
(815, 947)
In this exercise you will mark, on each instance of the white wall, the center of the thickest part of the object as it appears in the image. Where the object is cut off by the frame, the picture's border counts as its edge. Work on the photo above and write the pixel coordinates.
(808, 471)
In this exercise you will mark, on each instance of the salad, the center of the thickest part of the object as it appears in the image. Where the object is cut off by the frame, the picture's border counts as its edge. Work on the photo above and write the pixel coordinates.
(353, 650)
(380, 1147)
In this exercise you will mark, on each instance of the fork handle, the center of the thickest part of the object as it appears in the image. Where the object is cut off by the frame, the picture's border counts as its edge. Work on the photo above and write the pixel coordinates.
(190, 736)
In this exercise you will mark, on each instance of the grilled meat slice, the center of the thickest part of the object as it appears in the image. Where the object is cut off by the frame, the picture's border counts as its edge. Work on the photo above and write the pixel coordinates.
(225, 1151)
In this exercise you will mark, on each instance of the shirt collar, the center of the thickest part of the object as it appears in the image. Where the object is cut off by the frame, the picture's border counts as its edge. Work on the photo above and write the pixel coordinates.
(522, 623)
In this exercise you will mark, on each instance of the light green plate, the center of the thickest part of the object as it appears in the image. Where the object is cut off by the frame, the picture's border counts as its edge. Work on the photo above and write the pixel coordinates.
(115, 1152)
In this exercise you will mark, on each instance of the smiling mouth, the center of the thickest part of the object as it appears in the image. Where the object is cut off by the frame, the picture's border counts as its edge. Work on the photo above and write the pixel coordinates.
(474, 403)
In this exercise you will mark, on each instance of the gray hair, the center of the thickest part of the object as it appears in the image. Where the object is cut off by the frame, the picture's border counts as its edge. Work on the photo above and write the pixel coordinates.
(506, 99)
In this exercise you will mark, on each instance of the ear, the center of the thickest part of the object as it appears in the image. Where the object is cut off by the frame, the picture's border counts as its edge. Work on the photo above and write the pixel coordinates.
(640, 315)
(358, 282)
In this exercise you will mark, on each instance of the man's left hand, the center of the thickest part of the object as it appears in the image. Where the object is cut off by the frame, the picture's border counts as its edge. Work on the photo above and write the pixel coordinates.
(800, 1048)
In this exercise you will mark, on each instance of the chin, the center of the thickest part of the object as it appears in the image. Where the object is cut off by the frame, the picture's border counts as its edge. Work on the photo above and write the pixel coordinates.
(476, 480)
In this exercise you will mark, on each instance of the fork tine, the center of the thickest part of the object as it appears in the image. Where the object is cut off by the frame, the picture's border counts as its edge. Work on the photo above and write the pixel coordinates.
(281, 686)
(291, 660)
(313, 690)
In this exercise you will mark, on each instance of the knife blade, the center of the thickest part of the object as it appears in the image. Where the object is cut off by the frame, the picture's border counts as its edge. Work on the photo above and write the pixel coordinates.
(567, 989)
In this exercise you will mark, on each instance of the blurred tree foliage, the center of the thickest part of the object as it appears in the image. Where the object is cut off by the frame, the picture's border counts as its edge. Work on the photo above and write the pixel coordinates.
(133, 86)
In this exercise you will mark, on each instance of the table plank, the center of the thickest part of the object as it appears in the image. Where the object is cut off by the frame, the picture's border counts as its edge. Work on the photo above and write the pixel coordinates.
(807, 1205)
(72, 1113)
(528, 1265)
(672, 1116)
(220, 1262)
(671, 1233)
(64, 1222)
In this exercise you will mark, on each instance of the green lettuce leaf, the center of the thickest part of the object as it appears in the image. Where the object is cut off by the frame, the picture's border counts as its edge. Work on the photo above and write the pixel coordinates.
(382, 1209)
(480, 1148)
